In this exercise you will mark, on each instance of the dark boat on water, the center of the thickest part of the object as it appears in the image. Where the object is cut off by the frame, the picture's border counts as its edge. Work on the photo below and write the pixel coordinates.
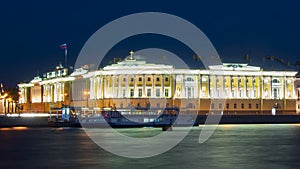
(105, 117)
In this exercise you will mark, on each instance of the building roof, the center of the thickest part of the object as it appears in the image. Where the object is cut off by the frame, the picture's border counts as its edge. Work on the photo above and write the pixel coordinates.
(266, 63)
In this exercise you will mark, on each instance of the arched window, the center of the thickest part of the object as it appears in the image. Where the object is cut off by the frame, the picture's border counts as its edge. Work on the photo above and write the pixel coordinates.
(189, 79)
(275, 81)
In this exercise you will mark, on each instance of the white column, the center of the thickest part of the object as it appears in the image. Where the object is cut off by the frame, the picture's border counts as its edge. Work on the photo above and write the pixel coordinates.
(162, 86)
(105, 87)
(153, 87)
(134, 87)
(293, 88)
(119, 86)
(92, 88)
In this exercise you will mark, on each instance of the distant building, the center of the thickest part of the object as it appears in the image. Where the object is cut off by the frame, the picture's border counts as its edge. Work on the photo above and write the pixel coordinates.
(246, 89)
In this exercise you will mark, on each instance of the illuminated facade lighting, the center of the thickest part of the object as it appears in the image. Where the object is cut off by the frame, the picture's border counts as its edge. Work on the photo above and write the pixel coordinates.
(246, 88)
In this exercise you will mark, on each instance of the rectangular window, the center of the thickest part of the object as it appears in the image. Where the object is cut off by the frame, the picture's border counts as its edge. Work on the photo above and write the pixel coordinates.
(131, 92)
(140, 92)
(227, 106)
(157, 93)
(123, 92)
(157, 79)
(149, 92)
(140, 79)
(189, 92)
(276, 93)
(148, 79)
(242, 105)
(220, 106)
(234, 105)
(250, 106)
(166, 79)
(257, 106)
(166, 93)
(212, 105)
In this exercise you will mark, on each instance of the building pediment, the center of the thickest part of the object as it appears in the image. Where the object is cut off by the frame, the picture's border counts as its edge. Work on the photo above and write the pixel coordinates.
(136, 65)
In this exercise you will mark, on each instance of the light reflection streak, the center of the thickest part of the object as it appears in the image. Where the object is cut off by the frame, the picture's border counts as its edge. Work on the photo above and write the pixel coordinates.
(19, 128)
(29, 115)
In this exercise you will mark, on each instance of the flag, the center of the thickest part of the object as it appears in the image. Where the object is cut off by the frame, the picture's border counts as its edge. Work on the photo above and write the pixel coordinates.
(63, 46)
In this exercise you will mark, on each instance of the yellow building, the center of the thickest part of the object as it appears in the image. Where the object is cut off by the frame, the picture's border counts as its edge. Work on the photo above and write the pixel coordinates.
(241, 88)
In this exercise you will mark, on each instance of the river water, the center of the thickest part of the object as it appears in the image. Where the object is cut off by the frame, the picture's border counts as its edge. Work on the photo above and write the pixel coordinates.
(231, 146)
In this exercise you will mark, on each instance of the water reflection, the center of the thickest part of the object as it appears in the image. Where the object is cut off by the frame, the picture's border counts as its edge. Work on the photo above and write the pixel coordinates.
(20, 128)
(231, 146)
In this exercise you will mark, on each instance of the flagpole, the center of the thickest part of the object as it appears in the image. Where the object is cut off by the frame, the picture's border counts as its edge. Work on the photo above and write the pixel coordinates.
(66, 55)
(65, 47)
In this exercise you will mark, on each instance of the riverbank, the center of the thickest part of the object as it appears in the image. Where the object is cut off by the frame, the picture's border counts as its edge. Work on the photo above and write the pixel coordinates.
(23, 121)
(254, 119)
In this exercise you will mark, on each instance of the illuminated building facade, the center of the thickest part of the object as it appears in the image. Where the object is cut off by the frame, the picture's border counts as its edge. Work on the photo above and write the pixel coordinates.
(246, 89)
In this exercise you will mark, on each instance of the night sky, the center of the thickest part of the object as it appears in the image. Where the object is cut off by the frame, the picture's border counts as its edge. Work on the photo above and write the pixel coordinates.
(32, 30)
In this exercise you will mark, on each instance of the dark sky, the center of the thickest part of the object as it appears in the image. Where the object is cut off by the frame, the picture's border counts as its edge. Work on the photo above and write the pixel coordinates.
(32, 30)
